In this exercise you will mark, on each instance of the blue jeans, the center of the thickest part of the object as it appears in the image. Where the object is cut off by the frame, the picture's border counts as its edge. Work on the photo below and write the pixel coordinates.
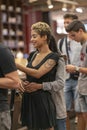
(60, 124)
(70, 92)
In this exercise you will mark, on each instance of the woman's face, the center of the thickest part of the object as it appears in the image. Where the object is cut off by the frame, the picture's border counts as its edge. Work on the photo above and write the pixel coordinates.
(36, 39)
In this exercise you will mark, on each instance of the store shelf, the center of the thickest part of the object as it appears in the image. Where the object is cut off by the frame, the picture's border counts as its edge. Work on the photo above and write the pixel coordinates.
(11, 33)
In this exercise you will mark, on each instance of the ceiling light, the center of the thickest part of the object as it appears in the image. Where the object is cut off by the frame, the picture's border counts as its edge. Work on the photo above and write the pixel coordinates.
(79, 10)
(50, 6)
(49, 3)
(64, 8)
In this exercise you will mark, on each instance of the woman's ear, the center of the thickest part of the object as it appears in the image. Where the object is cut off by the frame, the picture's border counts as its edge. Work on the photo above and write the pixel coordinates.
(45, 37)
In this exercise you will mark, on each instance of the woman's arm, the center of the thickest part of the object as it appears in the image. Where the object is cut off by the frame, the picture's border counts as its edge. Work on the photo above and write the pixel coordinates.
(56, 85)
(45, 68)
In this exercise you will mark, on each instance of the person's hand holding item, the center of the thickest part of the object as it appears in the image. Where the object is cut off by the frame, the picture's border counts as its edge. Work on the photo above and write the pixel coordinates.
(70, 68)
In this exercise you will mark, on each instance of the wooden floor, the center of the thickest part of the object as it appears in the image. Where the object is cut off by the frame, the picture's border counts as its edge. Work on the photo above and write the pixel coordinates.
(73, 124)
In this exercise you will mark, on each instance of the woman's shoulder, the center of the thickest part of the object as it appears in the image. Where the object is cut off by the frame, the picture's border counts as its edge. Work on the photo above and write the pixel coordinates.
(55, 55)
(31, 55)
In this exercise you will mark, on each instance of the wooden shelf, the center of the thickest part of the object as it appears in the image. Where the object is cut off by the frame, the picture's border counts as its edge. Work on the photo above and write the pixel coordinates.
(11, 22)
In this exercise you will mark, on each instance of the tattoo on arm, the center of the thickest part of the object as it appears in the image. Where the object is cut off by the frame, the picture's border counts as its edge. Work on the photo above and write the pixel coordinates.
(49, 63)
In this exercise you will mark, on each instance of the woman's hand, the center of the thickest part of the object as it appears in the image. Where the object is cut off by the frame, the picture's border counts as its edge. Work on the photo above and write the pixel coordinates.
(32, 87)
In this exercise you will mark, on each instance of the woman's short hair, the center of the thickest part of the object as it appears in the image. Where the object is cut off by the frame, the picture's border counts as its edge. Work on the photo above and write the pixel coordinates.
(42, 29)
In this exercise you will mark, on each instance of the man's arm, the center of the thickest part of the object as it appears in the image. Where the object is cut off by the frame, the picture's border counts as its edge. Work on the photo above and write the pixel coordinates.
(8, 72)
(72, 68)
(11, 81)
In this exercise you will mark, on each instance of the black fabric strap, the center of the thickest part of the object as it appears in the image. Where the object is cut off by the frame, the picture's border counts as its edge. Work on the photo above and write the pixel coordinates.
(67, 51)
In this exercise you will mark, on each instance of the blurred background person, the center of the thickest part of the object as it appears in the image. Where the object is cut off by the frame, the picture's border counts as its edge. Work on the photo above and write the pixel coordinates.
(71, 49)
(78, 32)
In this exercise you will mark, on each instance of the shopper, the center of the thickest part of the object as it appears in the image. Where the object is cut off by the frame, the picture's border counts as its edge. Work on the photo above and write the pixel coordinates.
(55, 87)
(71, 49)
(8, 80)
(38, 108)
(78, 32)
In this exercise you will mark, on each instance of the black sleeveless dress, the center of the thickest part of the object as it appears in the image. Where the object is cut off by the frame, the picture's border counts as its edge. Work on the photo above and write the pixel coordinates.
(38, 109)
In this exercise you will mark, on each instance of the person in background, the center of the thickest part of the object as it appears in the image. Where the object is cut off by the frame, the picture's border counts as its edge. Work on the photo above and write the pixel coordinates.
(78, 32)
(9, 79)
(20, 52)
(55, 87)
(38, 109)
(71, 49)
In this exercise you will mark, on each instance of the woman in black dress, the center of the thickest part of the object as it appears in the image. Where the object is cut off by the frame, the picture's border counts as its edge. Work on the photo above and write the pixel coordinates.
(38, 109)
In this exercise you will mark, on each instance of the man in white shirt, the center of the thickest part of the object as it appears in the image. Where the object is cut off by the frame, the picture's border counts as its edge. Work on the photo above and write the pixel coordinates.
(71, 49)
(78, 32)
